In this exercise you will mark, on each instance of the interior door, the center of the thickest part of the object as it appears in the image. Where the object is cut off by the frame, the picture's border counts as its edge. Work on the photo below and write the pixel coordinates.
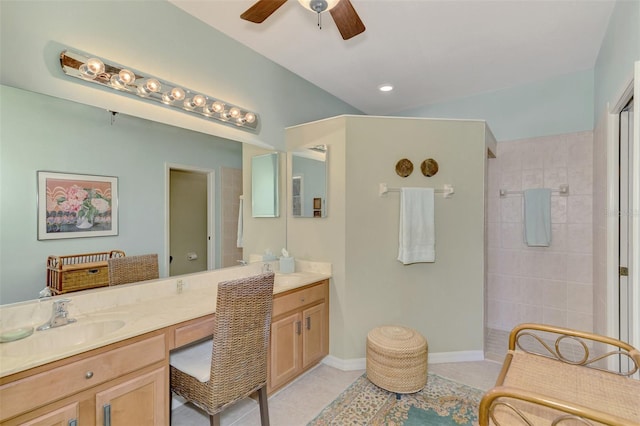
(188, 222)
(624, 220)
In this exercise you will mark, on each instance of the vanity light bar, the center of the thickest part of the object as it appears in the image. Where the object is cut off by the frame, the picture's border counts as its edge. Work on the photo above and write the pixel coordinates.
(126, 80)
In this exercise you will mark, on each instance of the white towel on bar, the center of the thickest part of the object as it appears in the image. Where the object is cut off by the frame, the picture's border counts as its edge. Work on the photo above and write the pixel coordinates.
(239, 242)
(537, 217)
(417, 226)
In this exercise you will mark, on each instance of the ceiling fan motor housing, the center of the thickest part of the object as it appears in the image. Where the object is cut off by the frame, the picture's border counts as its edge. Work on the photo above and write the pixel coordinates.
(318, 5)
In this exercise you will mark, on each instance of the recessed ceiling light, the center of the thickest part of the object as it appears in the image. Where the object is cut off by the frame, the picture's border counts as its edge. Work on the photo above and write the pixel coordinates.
(385, 88)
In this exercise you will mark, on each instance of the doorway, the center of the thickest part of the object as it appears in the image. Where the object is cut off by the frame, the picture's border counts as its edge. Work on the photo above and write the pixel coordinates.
(624, 220)
(623, 227)
(190, 220)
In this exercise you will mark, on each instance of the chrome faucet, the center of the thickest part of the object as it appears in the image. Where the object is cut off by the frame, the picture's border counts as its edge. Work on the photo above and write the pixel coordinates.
(242, 262)
(59, 315)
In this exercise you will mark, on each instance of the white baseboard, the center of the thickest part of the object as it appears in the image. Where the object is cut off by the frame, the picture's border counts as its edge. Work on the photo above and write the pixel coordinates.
(345, 364)
(434, 358)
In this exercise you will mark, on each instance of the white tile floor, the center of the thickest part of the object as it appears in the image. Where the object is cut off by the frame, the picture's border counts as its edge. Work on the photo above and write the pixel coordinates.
(298, 403)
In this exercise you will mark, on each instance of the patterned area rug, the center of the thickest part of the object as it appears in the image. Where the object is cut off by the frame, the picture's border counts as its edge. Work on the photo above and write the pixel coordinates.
(441, 403)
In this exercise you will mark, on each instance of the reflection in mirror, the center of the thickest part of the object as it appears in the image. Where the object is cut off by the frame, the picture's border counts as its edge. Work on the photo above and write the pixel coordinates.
(264, 185)
(309, 181)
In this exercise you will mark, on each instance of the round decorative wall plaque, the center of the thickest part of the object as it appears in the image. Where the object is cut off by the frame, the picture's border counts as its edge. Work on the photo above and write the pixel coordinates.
(429, 167)
(404, 167)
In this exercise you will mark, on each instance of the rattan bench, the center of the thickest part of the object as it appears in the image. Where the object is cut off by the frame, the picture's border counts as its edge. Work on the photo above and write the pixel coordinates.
(554, 375)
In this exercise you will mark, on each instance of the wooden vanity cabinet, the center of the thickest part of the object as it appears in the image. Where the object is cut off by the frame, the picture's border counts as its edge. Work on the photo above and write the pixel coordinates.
(299, 332)
(120, 384)
(126, 383)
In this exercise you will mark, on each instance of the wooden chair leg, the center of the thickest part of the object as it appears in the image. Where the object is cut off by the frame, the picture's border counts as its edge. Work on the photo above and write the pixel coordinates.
(264, 406)
(214, 419)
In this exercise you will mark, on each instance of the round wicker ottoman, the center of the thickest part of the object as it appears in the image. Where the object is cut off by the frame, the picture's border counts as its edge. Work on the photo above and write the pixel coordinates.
(397, 359)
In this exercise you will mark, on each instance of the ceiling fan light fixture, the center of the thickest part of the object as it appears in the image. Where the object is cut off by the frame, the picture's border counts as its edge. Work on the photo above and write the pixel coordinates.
(319, 6)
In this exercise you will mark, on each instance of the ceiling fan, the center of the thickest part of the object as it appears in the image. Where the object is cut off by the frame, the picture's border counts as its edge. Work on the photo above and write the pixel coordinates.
(344, 15)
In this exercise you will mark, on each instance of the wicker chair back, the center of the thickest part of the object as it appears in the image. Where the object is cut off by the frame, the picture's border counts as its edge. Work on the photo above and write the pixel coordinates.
(131, 269)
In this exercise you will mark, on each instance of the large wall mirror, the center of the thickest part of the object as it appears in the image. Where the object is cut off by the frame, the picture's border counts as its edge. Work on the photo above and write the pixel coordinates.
(309, 181)
(264, 185)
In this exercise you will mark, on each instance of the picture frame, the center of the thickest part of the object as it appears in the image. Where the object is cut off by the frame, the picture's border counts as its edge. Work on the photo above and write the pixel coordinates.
(76, 205)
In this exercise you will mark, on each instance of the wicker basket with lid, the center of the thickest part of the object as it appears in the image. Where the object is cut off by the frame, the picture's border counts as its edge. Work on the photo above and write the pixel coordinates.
(397, 359)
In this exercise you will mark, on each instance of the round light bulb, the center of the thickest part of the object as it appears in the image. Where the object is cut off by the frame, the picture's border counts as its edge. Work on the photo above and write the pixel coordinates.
(240, 121)
(196, 101)
(152, 85)
(217, 106)
(177, 93)
(91, 68)
(225, 115)
(95, 65)
(127, 76)
(234, 112)
(250, 117)
(199, 100)
(123, 78)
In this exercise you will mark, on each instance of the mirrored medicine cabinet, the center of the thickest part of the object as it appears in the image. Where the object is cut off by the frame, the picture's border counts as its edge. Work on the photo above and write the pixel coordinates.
(309, 181)
(264, 185)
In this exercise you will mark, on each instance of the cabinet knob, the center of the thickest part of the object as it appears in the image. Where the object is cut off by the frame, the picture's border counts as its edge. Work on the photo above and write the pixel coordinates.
(88, 375)
(302, 299)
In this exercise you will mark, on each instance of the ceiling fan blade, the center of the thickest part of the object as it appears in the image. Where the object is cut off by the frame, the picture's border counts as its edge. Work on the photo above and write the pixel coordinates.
(347, 20)
(261, 10)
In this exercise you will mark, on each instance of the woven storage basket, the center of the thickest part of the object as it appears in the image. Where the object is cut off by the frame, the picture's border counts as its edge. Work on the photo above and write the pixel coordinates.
(79, 271)
(397, 359)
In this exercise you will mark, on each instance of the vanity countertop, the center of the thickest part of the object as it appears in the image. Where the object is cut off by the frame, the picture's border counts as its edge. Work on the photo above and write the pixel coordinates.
(109, 315)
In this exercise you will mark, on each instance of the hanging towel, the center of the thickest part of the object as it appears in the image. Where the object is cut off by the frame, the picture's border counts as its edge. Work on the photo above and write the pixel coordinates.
(239, 242)
(417, 226)
(537, 217)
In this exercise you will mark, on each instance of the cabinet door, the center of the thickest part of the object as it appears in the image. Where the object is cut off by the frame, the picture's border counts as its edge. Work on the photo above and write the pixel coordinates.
(314, 335)
(65, 416)
(285, 347)
(139, 401)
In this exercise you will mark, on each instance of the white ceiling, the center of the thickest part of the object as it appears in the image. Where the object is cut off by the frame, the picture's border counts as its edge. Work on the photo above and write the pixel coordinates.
(430, 50)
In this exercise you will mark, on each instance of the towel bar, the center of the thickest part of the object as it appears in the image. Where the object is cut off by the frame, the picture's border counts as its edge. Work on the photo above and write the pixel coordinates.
(562, 190)
(446, 191)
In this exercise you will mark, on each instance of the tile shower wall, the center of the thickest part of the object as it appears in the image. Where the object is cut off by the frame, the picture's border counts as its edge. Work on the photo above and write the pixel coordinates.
(231, 184)
(540, 284)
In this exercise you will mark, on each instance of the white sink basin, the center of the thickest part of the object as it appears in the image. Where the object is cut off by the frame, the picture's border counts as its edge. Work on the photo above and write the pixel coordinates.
(61, 337)
(288, 279)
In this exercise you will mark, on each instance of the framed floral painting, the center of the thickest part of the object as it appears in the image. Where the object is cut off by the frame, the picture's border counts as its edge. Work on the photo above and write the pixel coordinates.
(75, 206)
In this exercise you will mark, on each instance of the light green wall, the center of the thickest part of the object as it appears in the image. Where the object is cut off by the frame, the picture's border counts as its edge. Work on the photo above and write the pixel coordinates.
(442, 300)
(158, 38)
(39, 132)
(42, 132)
(620, 49)
(558, 105)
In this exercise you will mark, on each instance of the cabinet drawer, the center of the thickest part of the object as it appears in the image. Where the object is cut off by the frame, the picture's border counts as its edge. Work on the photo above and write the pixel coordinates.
(43, 388)
(194, 331)
(299, 298)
